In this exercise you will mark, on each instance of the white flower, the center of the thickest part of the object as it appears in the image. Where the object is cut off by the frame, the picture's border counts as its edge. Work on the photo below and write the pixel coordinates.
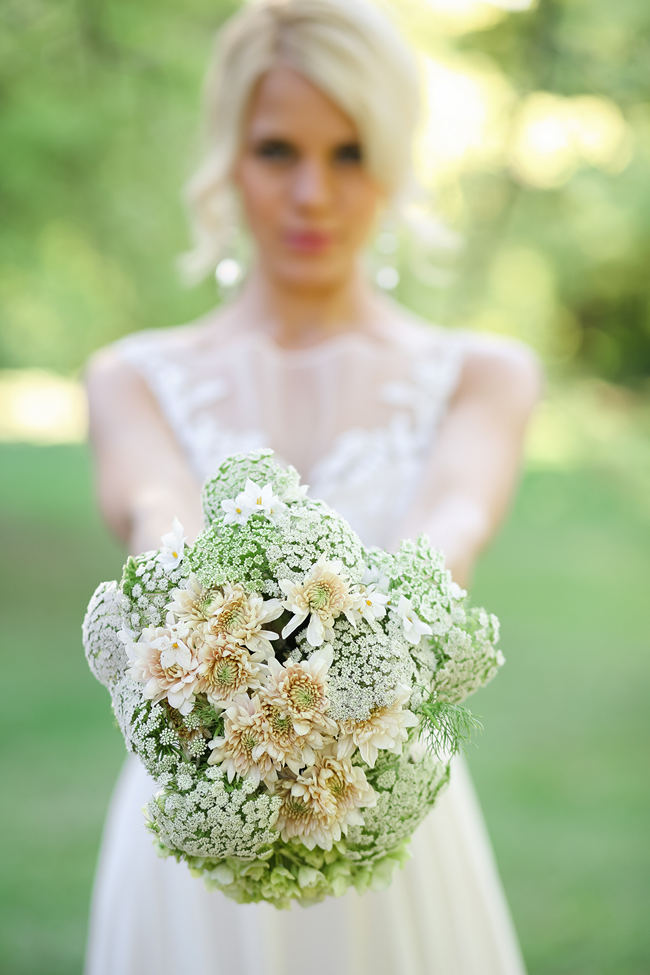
(322, 801)
(284, 744)
(242, 749)
(256, 497)
(384, 728)
(414, 627)
(372, 574)
(372, 603)
(166, 664)
(299, 689)
(236, 511)
(225, 670)
(125, 635)
(237, 615)
(322, 595)
(172, 546)
(456, 591)
(298, 493)
(189, 602)
(252, 498)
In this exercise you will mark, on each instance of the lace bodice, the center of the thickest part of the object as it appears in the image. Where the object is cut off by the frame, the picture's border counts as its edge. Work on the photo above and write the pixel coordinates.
(356, 418)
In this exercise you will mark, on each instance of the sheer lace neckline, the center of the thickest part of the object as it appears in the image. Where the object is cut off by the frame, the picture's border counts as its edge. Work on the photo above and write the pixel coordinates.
(357, 416)
(358, 413)
(300, 355)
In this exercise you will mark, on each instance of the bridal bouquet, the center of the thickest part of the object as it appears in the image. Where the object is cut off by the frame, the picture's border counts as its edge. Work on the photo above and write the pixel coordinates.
(295, 695)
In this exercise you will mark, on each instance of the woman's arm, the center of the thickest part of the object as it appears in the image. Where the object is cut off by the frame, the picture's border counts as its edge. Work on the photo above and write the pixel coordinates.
(472, 472)
(141, 475)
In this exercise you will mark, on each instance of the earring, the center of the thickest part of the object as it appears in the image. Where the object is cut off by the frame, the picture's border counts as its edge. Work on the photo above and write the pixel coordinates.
(235, 250)
(228, 273)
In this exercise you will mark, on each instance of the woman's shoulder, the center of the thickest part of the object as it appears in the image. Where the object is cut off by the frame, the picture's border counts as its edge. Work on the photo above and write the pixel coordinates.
(502, 370)
(488, 348)
(489, 364)
(503, 356)
(125, 355)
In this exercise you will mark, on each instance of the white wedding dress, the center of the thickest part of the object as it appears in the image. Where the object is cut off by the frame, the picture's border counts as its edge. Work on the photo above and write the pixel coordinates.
(357, 417)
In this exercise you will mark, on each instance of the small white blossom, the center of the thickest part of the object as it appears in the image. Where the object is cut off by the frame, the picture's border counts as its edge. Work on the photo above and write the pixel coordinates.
(373, 575)
(236, 511)
(253, 498)
(456, 591)
(372, 603)
(414, 627)
(298, 493)
(173, 546)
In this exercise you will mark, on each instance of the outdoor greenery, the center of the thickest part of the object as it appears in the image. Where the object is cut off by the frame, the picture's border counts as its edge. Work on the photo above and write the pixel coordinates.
(536, 155)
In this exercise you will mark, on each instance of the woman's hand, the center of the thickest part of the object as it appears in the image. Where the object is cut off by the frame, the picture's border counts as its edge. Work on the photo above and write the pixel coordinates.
(142, 478)
(152, 516)
(471, 474)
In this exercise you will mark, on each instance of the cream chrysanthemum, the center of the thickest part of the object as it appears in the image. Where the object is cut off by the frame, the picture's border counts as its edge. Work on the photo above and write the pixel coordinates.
(347, 783)
(299, 689)
(322, 595)
(237, 615)
(191, 602)
(243, 748)
(384, 728)
(299, 818)
(165, 661)
(322, 801)
(225, 670)
(284, 743)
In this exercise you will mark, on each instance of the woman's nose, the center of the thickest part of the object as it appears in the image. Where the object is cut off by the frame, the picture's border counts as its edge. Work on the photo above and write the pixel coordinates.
(311, 183)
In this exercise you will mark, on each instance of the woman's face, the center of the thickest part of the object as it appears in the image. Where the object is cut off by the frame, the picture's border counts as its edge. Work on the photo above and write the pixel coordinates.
(307, 196)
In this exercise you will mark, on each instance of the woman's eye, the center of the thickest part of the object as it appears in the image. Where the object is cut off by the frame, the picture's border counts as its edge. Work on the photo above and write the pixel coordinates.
(351, 152)
(277, 150)
(273, 150)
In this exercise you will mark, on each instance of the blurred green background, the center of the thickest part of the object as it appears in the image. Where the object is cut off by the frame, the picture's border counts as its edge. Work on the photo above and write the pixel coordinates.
(536, 151)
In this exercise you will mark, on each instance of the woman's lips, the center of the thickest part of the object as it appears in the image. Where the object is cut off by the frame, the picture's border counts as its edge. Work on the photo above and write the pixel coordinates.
(308, 240)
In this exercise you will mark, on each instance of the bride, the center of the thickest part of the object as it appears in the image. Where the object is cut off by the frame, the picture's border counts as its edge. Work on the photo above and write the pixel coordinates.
(402, 426)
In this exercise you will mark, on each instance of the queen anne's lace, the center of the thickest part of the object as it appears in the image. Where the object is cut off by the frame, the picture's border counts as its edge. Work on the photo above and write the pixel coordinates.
(101, 632)
(289, 759)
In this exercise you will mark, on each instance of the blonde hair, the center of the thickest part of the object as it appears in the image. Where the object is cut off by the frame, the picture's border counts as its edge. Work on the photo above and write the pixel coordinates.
(352, 52)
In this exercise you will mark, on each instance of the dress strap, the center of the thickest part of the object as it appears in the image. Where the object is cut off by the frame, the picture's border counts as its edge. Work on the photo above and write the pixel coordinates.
(426, 393)
(186, 399)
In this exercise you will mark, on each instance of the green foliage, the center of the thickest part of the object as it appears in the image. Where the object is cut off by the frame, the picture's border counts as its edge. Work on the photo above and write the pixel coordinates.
(129, 578)
(445, 727)
(100, 123)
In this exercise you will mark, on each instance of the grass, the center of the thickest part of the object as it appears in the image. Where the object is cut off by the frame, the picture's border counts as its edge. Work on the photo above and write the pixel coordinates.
(559, 768)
